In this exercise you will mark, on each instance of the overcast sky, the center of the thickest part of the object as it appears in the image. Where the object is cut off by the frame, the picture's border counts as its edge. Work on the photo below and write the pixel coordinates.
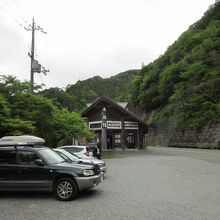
(90, 37)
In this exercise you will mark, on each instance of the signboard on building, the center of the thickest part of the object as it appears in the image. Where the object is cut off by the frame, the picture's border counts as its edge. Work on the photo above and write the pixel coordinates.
(98, 125)
(114, 124)
(130, 125)
(95, 125)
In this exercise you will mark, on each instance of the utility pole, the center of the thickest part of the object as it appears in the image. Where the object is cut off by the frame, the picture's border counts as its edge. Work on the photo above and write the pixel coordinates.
(32, 57)
(35, 66)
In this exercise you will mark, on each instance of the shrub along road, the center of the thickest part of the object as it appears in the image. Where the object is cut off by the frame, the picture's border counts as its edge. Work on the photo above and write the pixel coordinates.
(159, 183)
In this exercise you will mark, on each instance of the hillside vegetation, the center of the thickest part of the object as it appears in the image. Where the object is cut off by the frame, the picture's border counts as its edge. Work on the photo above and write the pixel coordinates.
(186, 79)
(76, 96)
(25, 113)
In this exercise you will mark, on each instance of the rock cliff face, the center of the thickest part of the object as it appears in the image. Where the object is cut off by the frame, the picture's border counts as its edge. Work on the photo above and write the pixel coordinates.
(166, 133)
(208, 136)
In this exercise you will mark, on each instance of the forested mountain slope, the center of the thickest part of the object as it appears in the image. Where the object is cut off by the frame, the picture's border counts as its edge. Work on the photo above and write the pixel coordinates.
(76, 96)
(184, 83)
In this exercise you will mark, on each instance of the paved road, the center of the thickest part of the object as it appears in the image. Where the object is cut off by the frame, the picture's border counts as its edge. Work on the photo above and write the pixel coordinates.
(155, 184)
(201, 154)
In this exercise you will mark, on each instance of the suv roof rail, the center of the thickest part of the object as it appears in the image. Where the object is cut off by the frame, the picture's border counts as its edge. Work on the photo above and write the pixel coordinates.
(21, 140)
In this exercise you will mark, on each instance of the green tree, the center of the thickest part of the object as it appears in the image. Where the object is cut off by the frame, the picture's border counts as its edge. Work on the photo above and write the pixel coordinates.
(11, 125)
(61, 98)
(68, 125)
(25, 113)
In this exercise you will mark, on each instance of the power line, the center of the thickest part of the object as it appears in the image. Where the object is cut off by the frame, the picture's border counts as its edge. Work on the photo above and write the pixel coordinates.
(21, 11)
(27, 44)
(15, 12)
(46, 57)
(4, 27)
(4, 30)
(12, 16)
(41, 78)
(35, 66)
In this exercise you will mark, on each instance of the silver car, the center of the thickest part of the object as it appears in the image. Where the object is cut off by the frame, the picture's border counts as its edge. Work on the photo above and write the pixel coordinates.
(74, 157)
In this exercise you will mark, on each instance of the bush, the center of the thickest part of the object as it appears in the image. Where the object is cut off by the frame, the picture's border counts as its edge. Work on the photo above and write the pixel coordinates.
(208, 146)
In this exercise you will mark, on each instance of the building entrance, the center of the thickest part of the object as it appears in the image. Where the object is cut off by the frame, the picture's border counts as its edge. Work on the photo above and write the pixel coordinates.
(113, 139)
(131, 140)
(109, 140)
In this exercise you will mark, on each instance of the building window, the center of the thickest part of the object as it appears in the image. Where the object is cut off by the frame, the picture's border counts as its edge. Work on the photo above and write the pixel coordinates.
(117, 138)
(117, 141)
(130, 139)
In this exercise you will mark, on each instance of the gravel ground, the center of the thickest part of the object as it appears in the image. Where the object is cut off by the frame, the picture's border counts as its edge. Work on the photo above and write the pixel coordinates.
(155, 184)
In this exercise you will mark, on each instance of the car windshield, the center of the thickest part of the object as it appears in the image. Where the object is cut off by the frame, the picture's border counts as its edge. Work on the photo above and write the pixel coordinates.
(74, 155)
(69, 155)
(64, 156)
(74, 149)
(50, 156)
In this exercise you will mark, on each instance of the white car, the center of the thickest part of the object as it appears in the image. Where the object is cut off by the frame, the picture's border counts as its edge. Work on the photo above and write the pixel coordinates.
(80, 151)
(72, 157)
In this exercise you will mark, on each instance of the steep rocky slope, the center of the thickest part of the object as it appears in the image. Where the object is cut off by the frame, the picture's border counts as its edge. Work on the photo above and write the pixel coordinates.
(179, 93)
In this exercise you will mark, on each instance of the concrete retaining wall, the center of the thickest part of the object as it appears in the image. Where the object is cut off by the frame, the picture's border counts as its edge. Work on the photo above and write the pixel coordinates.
(165, 133)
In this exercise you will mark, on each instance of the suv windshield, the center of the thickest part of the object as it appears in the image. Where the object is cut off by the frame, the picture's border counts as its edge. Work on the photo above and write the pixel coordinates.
(50, 156)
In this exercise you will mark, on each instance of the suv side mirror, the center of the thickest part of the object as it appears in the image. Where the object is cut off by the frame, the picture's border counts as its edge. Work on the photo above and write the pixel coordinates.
(39, 162)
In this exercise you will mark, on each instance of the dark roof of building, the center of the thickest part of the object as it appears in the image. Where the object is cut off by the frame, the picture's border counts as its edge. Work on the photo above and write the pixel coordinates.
(117, 106)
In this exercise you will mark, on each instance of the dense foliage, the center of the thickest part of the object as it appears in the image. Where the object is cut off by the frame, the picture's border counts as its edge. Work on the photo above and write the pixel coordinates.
(187, 77)
(75, 97)
(25, 113)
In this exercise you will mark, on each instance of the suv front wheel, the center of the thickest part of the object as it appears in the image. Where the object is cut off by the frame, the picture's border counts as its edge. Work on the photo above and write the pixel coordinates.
(65, 189)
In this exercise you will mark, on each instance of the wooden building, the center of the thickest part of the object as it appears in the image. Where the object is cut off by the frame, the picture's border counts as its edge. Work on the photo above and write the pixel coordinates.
(115, 126)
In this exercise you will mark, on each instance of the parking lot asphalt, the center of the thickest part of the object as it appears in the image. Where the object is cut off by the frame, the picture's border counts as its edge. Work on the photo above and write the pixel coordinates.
(155, 184)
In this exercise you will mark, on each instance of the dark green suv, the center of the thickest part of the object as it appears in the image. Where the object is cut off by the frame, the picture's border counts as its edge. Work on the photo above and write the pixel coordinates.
(24, 166)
